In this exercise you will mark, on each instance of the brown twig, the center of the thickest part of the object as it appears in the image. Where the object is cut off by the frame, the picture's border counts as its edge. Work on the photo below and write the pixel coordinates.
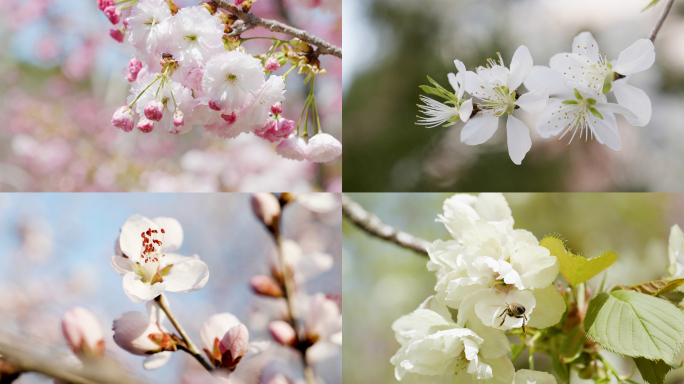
(252, 21)
(661, 20)
(372, 225)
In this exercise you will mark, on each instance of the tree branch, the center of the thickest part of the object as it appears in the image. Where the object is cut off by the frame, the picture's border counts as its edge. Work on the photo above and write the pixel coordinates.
(252, 21)
(661, 20)
(372, 225)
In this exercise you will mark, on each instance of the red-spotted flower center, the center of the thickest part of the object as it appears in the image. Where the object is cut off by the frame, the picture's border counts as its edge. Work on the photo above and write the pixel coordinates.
(150, 255)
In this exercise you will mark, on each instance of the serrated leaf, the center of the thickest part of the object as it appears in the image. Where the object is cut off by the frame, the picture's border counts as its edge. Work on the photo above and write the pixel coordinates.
(636, 325)
(657, 287)
(516, 350)
(652, 3)
(577, 269)
(653, 372)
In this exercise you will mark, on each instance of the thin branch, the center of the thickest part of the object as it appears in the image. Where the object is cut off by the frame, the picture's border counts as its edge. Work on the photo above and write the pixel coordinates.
(251, 21)
(189, 345)
(661, 20)
(372, 225)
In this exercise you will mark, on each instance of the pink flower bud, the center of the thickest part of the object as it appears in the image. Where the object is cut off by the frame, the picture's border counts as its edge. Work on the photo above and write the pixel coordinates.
(265, 285)
(178, 118)
(234, 346)
(102, 4)
(211, 333)
(276, 130)
(271, 64)
(277, 109)
(229, 118)
(134, 66)
(294, 148)
(266, 207)
(154, 110)
(145, 125)
(124, 119)
(113, 14)
(323, 148)
(83, 332)
(130, 78)
(116, 34)
(141, 335)
(193, 79)
(214, 106)
(283, 332)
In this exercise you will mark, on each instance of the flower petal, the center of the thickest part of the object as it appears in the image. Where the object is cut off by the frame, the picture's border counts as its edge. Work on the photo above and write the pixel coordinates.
(551, 308)
(173, 238)
(490, 304)
(636, 101)
(476, 86)
(138, 291)
(525, 376)
(521, 65)
(502, 370)
(187, 276)
(549, 123)
(495, 342)
(638, 57)
(460, 78)
(534, 102)
(542, 76)
(130, 240)
(675, 249)
(466, 110)
(157, 360)
(536, 266)
(519, 140)
(584, 44)
(122, 265)
(606, 131)
(215, 327)
(479, 129)
(615, 108)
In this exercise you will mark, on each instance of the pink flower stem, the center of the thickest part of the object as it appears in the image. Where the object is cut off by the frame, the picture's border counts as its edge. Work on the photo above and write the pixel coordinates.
(141, 93)
(189, 345)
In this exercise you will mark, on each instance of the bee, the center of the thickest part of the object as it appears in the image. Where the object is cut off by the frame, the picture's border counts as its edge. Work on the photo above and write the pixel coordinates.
(514, 310)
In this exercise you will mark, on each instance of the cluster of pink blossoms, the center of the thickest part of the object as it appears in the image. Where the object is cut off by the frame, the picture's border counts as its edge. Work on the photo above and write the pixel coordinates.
(187, 74)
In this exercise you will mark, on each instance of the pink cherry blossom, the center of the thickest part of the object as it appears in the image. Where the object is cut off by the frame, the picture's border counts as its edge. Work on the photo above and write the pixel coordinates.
(117, 34)
(272, 64)
(294, 148)
(124, 119)
(276, 130)
(145, 125)
(83, 332)
(154, 110)
(277, 108)
(113, 14)
(266, 207)
(103, 4)
(283, 332)
(178, 118)
(323, 148)
(234, 346)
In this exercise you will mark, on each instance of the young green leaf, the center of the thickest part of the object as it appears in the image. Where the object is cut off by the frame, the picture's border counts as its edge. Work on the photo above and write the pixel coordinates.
(577, 269)
(657, 287)
(636, 325)
(516, 350)
(652, 3)
(572, 346)
(653, 372)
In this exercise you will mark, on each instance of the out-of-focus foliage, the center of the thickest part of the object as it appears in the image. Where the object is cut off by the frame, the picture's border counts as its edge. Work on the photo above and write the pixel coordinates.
(393, 45)
(383, 282)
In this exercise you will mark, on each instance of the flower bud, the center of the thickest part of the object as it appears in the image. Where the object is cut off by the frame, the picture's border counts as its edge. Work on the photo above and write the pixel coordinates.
(209, 6)
(145, 125)
(103, 4)
(229, 118)
(154, 110)
(83, 333)
(234, 346)
(266, 207)
(140, 335)
(214, 106)
(293, 148)
(212, 332)
(117, 34)
(277, 108)
(113, 14)
(124, 119)
(323, 148)
(283, 332)
(134, 66)
(266, 286)
(271, 64)
(178, 118)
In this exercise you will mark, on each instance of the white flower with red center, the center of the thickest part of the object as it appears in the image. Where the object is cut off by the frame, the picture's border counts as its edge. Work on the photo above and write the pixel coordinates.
(196, 36)
(496, 87)
(149, 27)
(144, 335)
(456, 106)
(231, 77)
(588, 69)
(147, 268)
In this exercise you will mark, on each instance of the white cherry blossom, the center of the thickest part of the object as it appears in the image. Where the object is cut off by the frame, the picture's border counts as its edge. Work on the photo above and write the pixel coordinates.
(196, 36)
(145, 335)
(146, 268)
(149, 27)
(525, 376)
(231, 77)
(675, 252)
(456, 107)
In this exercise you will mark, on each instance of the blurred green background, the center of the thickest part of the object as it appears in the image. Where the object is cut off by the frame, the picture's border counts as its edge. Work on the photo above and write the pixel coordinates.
(383, 281)
(392, 45)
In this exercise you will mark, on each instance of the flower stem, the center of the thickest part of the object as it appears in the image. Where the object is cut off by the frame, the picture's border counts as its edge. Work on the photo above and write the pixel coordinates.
(171, 90)
(661, 20)
(141, 93)
(190, 346)
(315, 108)
(288, 72)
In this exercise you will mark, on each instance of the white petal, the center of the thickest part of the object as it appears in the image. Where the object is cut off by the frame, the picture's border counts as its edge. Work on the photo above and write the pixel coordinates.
(476, 86)
(138, 291)
(536, 266)
(495, 342)
(638, 57)
(521, 65)
(584, 44)
(122, 265)
(615, 108)
(551, 308)
(157, 360)
(417, 325)
(534, 102)
(466, 110)
(453, 81)
(461, 78)
(606, 131)
(479, 129)
(130, 240)
(675, 246)
(502, 370)
(215, 327)
(542, 76)
(519, 140)
(173, 238)
(432, 304)
(635, 100)
(187, 276)
(492, 304)
(525, 376)
(549, 123)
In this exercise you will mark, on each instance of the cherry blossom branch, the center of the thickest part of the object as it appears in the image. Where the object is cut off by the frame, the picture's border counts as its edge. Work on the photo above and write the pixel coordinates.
(189, 345)
(661, 20)
(252, 21)
(372, 225)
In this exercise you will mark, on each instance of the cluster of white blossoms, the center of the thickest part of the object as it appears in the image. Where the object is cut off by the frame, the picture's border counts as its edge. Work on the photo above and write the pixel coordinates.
(570, 96)
(485, 270)
(186, 73)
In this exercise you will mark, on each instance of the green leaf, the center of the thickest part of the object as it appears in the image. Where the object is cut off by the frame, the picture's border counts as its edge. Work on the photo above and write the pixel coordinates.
(516, 350)
(577, 269)
(653, 372)
(652, 3)
(657, 287)
(636, 325)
